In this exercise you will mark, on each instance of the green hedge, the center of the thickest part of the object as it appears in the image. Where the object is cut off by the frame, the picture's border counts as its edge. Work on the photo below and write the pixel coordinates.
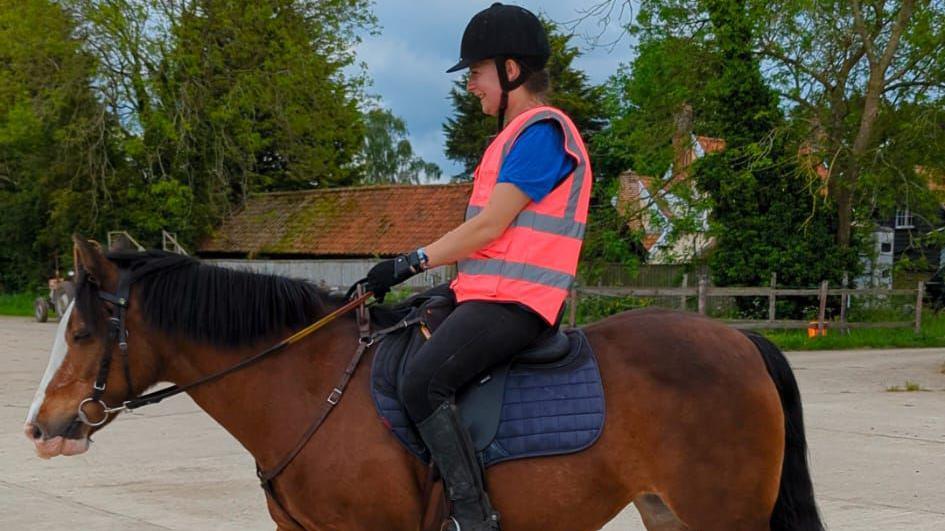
(17, 303)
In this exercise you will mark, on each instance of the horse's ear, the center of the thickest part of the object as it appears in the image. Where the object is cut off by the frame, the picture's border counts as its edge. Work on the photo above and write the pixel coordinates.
(88, 255)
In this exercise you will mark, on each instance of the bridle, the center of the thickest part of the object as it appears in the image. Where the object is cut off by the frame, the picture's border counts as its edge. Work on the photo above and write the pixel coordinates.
(118, 332)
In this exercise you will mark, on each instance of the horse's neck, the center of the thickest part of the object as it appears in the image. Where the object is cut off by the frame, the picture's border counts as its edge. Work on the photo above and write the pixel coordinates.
(268, 404)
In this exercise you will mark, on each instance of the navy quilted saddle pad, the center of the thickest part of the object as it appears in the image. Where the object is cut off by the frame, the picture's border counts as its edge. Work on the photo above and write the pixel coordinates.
(513, 411)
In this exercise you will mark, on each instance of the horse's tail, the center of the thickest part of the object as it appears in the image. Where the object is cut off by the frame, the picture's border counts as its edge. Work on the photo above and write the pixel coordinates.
(795, 509)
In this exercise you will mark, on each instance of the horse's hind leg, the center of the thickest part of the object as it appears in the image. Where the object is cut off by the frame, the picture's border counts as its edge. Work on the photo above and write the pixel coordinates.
(656, 515)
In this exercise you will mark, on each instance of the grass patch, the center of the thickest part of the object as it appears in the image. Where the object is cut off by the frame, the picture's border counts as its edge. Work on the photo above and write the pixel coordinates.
(910, 387)
(932, 335)
(593, 308)
(16, 303)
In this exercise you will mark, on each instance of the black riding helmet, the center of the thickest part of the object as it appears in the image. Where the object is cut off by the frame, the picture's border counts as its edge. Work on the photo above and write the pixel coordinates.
(505, 32)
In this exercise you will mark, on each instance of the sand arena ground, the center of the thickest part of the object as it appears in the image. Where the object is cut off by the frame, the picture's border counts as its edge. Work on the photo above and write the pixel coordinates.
(878, 457)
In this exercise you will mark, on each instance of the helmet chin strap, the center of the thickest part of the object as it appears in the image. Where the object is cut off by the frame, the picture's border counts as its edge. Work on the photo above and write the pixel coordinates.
(507, 86)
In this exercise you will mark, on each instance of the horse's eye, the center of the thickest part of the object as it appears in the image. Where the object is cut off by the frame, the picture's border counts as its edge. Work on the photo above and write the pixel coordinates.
(80, 335)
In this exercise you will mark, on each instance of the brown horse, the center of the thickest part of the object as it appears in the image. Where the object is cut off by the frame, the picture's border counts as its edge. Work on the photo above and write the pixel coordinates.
(704, 427)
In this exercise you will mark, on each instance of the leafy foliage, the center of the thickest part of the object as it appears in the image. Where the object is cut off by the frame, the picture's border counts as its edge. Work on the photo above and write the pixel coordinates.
(146, 115)
(387, 156)
(608, 239)
(837, 65)
(53, 138)
(766, 220)
(266, 107)
(642, 100)
(764, 215)
(763, 201)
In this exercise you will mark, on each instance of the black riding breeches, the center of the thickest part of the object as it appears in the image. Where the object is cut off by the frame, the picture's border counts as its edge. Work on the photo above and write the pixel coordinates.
(476, 336)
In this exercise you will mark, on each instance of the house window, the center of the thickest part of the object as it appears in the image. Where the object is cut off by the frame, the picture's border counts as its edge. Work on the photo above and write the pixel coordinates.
(904, 219)
(885, 247)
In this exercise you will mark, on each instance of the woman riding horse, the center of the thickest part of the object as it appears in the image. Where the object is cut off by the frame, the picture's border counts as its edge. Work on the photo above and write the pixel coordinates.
(704, 424)
(517, 251)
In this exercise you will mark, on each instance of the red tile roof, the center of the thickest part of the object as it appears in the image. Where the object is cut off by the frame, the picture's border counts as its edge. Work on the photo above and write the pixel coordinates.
(340, 222)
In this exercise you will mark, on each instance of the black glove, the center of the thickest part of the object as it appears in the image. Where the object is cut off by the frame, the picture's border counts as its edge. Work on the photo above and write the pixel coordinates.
(389, 273)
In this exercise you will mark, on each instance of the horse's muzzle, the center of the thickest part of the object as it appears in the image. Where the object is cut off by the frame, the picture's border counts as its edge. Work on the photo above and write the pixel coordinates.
(48, 447)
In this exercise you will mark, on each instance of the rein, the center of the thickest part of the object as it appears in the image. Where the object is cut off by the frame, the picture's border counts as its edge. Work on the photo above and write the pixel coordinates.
(117, 331)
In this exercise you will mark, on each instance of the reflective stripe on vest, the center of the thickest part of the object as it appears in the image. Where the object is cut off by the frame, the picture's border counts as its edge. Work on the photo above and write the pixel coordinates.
(519, 271)
(568, 228)
(534, 261)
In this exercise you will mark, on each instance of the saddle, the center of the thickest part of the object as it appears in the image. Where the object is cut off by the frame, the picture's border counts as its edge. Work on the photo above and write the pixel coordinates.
(547, 400)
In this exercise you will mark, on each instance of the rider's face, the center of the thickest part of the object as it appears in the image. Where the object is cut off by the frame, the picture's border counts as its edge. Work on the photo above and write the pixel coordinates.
(483, 83)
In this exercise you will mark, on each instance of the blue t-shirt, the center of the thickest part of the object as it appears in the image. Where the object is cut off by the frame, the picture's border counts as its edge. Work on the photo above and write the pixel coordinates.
(537, 161)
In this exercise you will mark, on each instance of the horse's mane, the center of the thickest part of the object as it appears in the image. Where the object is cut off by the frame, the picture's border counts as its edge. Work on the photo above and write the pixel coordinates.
(183, 296)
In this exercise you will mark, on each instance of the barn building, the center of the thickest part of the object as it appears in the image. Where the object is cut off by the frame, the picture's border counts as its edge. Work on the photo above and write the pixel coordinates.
(334, 236)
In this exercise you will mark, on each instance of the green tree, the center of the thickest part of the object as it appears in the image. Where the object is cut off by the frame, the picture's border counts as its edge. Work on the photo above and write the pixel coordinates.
(839, 64)
(230, 98)
(766, 219)
(387, 156)
(760, 198)
(468, 130)
(642, 101)
(54, 142)
(765, 213)
(740, 106)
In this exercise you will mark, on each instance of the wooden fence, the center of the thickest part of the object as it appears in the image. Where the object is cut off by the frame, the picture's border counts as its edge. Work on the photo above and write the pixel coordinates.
(702, 292)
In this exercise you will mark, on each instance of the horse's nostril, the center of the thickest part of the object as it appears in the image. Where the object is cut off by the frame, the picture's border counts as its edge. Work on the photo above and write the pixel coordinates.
(33, 431)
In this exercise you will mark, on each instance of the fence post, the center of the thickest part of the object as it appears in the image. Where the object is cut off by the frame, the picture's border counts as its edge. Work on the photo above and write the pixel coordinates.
(682, 299)
(843, 305)
(702, 297)
(572, 311)
(821, 314)
(771, 297)
(920, 294)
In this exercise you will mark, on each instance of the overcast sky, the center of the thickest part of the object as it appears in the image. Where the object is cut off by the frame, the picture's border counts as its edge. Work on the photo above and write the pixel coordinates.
(419, 40)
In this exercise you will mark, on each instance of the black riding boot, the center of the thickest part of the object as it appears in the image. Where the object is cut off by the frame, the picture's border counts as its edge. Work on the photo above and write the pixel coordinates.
(454, 455)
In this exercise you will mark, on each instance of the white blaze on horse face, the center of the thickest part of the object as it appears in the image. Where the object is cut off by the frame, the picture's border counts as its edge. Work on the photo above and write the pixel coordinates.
(59, 350)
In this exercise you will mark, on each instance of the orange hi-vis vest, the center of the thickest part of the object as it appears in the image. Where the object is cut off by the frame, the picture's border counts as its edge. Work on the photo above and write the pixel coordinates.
(534, 261)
